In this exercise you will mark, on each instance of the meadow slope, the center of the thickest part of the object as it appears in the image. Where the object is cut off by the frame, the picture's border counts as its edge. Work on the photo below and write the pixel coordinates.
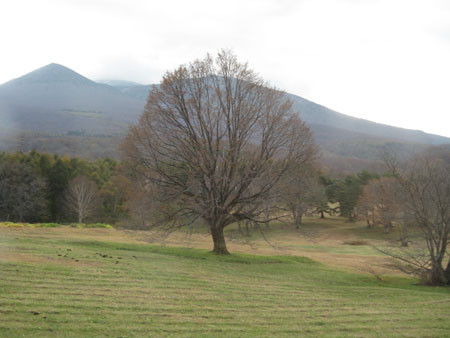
(105, 282)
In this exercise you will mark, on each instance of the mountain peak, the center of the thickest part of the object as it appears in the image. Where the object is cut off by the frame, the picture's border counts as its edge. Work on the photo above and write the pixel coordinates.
(52, 64)
(51, 74)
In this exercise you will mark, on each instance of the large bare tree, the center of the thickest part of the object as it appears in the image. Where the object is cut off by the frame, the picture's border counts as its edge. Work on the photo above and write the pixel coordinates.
(81, 197)
(425, 184)
(215, 138)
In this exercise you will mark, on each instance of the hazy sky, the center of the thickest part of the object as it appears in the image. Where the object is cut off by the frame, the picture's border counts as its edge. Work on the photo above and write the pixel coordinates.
(383, 60)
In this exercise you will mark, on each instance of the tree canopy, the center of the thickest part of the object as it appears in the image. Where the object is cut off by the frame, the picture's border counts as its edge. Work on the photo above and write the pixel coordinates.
(216, 139)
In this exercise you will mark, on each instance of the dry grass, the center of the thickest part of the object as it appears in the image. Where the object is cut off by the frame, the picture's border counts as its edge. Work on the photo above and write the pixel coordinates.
(72, 282)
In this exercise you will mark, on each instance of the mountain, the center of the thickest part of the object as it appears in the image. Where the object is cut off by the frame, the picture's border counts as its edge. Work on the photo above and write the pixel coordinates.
(55, 99)
(314, 113)
(56, 109)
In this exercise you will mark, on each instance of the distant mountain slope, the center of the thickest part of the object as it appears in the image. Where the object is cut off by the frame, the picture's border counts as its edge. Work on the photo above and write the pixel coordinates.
(316, 114)
(56, 99)
(313, 113)
(119, 83)
(139, 92)
(58, 102)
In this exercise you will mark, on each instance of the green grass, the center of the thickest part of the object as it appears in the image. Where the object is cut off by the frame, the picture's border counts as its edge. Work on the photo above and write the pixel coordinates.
(71, 287)
(94, 225)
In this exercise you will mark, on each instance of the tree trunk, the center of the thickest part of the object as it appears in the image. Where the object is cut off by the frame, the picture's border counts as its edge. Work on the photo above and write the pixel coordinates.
(404, 236)
(437, 276)
(388, 227)
(298, 216)
(322, 215)
(447, 273)
(404, 231)
(220, 247)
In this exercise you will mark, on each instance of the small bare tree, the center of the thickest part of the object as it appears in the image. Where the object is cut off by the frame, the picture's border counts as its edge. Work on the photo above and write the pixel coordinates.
(142, 204)
(380, 202)
(425, 184)
(81, 197)
(216, 139)
(301, 191)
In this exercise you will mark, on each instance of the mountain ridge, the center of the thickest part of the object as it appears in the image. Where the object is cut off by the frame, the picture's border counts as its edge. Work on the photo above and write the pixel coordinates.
(56, 100)
(319, 114)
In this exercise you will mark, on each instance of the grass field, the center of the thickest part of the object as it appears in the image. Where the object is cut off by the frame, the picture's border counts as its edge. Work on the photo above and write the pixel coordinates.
(72, 282)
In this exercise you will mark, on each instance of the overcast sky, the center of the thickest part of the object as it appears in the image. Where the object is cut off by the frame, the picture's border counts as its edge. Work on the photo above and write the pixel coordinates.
(384, 60)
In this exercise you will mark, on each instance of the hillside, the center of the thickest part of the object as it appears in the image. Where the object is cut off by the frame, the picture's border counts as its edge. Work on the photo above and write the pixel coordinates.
(316, 114)
(56, 102)
(70, 282)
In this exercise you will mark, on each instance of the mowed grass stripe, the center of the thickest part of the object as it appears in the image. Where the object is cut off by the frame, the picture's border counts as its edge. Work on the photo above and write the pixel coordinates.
(27, 291)
(179, 292)
(146, 328)
(209, 316)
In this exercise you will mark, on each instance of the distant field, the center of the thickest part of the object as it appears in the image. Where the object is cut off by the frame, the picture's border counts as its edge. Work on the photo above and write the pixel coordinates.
(73, 282)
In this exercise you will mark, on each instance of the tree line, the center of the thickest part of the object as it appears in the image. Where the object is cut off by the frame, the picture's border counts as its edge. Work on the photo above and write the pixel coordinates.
(40, 187)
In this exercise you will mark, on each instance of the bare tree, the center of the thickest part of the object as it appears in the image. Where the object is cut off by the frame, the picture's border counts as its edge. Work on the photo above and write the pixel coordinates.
(425, 183)
(142, 204)
(216, 139)
(301, 191)
(81, 197)
(380, 202)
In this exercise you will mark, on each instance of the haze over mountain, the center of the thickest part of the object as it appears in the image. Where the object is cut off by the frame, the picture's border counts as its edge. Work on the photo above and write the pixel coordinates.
(55, 99)
(55, 103)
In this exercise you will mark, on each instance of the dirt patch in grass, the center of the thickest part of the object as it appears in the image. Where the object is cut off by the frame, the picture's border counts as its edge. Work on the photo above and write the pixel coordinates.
(37, 259)
(356, 242)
